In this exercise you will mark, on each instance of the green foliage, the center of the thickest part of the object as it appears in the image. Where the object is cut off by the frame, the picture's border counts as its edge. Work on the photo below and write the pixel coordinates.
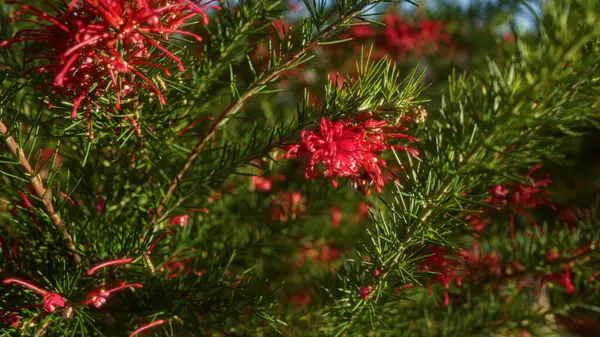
(113, 184)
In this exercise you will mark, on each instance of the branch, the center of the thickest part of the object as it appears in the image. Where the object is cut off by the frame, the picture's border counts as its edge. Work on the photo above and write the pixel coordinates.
(235, 106)
(40, 191)
(248, 158)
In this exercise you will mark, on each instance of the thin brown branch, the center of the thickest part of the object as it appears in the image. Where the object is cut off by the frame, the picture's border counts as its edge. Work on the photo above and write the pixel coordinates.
(42, 330)
(260, 153)
(236, 105)
(40, 191)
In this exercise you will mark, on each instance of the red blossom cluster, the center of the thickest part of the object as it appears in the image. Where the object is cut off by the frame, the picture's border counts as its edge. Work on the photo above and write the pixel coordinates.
(364, 292)
(261, 184)
(180, 220)
(477, 221)
(288, 206)
(319, 254)
(473, 266)
(11, 318)
(347, 148)
(335, 213)
(264, 184)
(517, 198)
(401, 37)
(98, 296)
(445, 267)
(50, 302)
(175, 265)
(178, 266)
(91, 45)
(476, 265)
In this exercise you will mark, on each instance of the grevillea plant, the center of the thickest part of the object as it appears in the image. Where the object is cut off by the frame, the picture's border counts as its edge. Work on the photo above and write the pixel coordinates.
(298, 168)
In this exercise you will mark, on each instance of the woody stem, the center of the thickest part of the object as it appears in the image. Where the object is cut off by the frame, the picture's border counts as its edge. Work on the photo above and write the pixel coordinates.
(40, 191)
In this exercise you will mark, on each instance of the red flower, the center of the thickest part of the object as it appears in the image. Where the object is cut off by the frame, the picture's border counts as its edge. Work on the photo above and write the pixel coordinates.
(477, 221)
(336, 216)
(329, 254)
(261, 184)
(519, 197)
(446, 270)
(11, 319)
(300, 299)
(563, 279)
(552, 255)
(288, 206)
(498, 193)
(401, 38)
(175, 266)
(362, 31)
(318, 254)
(477, 265)
(50, 300)
(91, 45)
(347, 149)
(530, 196)
(363, 210)
(364, 292)
(147, 326)
(108, 263)
(180, 220)
(98, 296)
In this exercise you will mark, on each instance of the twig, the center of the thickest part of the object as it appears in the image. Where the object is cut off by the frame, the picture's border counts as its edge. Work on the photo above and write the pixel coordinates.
(240, 161)
(235, 106)
(42, 331)
(40, 191)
